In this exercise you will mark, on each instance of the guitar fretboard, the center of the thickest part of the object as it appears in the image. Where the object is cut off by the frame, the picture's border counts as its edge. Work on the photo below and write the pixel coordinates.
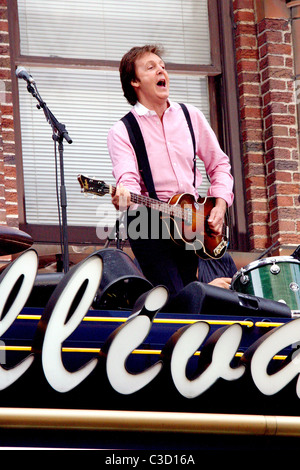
(160, 206)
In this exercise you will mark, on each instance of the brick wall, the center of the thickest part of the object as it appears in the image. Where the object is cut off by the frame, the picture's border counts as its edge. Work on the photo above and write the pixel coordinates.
(8, 183)
(267, 96)
(265, 71)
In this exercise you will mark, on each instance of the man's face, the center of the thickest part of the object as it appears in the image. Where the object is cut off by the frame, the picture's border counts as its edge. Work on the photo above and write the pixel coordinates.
(152, 80)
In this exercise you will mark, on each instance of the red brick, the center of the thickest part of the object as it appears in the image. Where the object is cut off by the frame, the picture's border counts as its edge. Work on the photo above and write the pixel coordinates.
(273, 25)
(273, 84)
(260, 230)
(248, 77)
(254, 158)
(244, 16)
(275, 72)
(286, 201)
(251, 112)
(7, 122)
(258, 206)
(250, 100)
(247, 54)
(251, 124)
(255, 193)
(258, 218)
(8, 135)
(243, 4)
(278, 119)
(278, 97)
(245, 28)
(255, 170)
(287, 38)
(274, 108)
(8, 148)
(287, 142)
(5, 74)
(11, 196)
(276, 49)
(2, 217)
(276, 131)
(10, 183)
(7, 109)
(249, 89)
(245, 41)
(281, 165)
(283, 176)
(279, 153)
(247, 65)
(271, 61)
(260, 243)
(10, 171)
(287, 225)
(270, 36)
(289, 239)
(3, 25)
(255, 135)
(11, 209)
(281, 188)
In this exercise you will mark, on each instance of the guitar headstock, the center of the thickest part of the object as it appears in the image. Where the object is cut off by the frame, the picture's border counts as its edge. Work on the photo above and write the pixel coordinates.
(89, 185)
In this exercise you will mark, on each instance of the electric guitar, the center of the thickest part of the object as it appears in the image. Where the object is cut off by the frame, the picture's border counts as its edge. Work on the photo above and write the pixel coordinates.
(185, 218)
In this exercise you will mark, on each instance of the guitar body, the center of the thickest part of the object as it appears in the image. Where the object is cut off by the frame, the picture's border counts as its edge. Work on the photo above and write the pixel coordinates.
(193, 231)
(185, 218)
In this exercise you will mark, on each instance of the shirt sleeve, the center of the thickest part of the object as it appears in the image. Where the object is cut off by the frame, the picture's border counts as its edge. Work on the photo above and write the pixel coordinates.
(125, 169)
(216, 162)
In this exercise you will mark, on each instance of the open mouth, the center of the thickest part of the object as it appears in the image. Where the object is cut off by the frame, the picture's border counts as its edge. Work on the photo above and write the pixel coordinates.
(161, 83)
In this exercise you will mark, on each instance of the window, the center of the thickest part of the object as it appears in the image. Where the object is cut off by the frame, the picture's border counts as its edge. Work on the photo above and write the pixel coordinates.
(72, 49)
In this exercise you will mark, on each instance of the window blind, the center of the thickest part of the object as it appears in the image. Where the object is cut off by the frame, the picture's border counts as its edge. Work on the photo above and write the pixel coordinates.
(88, 102)
(106, 29)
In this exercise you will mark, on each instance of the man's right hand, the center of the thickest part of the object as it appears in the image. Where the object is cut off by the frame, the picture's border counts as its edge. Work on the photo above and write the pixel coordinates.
(121, 198)
(221, 282)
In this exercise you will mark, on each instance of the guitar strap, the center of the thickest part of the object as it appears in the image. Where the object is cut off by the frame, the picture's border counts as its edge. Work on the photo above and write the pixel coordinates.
(188, 118)
(137, 141)
(138, 144)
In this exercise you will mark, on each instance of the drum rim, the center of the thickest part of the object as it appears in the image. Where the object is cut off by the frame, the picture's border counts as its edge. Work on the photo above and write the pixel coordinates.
(262, 262)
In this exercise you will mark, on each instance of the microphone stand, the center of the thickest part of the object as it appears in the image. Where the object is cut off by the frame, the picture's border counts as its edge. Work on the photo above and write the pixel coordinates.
(59, 134)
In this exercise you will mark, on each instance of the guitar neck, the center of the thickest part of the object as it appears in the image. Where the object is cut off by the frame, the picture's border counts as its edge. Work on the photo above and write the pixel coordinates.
(155, 204)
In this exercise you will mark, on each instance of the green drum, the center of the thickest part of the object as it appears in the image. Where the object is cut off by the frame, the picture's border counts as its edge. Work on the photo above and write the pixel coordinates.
(275, 278)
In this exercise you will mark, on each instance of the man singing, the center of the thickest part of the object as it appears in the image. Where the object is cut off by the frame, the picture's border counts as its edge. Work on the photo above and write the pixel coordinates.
(170, 153)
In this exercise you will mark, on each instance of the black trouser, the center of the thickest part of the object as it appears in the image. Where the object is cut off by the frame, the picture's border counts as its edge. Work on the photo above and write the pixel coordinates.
(162, 261)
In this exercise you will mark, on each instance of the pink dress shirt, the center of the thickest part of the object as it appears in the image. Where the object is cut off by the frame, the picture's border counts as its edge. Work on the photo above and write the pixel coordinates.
(170, 153)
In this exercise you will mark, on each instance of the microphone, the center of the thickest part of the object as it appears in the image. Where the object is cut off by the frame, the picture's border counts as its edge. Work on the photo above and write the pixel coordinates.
(21, 72)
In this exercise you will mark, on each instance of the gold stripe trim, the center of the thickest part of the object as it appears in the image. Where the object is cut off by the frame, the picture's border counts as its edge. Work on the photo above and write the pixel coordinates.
(160, 321)
(170, 422)
(97, 350)
(265, 324)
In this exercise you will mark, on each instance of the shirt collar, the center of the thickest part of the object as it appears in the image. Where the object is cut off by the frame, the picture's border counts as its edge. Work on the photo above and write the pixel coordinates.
(141, 110)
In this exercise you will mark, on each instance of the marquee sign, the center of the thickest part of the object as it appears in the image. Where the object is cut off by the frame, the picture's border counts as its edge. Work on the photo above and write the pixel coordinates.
(192, 360)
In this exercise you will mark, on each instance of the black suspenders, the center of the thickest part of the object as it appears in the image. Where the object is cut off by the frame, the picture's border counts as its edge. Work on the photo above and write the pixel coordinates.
(188, 118)
(138, 144)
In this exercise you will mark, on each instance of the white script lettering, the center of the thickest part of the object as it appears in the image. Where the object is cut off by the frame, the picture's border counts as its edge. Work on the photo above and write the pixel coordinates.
(70, 302)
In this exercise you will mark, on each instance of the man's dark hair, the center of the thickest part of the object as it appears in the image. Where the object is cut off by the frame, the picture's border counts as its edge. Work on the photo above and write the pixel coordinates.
(127, 69)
